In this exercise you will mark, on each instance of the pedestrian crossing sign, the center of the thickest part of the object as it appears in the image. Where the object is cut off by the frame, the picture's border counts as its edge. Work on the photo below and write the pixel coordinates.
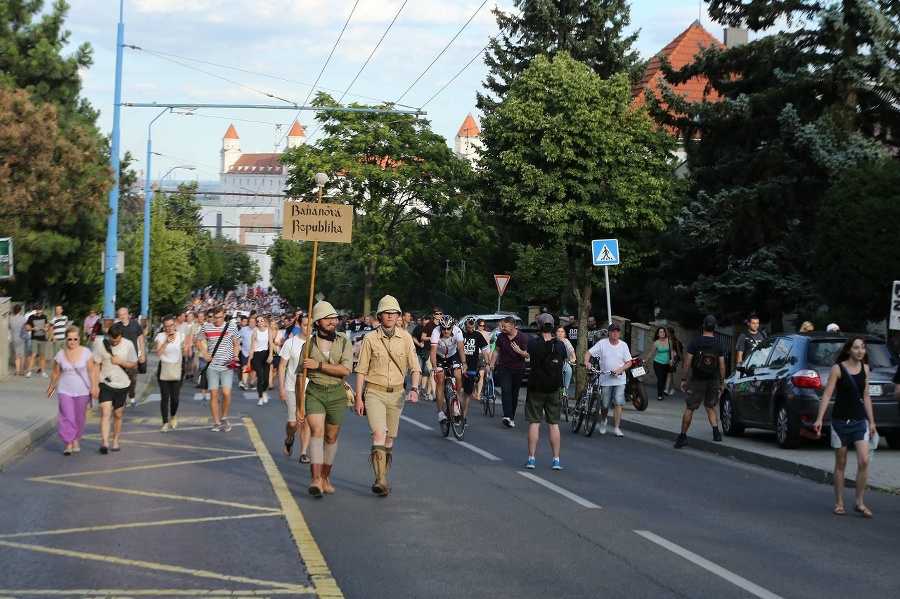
(605, 252)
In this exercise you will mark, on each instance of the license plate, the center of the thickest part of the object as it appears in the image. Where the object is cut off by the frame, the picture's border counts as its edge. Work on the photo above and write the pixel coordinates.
(639, 371)
(874, 390)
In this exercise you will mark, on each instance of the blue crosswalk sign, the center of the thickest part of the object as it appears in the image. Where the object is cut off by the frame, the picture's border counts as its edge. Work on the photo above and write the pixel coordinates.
(605, 252)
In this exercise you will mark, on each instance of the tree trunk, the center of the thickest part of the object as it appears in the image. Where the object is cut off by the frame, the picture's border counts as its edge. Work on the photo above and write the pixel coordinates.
(583, 298)
(368, 283)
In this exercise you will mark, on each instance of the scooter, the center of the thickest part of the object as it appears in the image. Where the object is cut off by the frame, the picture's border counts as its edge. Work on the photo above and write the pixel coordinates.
(635, 392)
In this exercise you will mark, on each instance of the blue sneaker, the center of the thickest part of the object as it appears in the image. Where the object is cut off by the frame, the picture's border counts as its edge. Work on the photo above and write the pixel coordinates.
(557, 465)
(530, 464)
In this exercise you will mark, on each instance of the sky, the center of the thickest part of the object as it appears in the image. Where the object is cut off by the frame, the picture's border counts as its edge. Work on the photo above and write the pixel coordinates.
(275, 52)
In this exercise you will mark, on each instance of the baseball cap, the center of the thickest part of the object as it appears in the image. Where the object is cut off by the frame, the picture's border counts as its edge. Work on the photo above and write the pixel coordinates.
(709, 321)
(544, 319)
(833, 328)
(615, 327)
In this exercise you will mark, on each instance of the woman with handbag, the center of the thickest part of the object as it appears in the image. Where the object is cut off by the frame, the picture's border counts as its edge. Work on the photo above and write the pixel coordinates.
(171, 347)
(261, 351)
(663, 358)
(76, 373)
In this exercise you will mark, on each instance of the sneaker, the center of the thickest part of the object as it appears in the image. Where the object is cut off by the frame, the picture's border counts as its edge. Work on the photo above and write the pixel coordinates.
(506, 422)
(28, 375)
(717, 436)
(173, 423)
(225, 425)
(603, 426)
(104, 449)
(44, 375)
(681, 441)
(530, 464)
(251, 388)
(512, 423)
(617, 432)
(243, 386)
(216, 427)
(442, 417)
(204, 401)
(557, 465)
(260, 402)
(165, 428)
(133, 403)
(265, 397)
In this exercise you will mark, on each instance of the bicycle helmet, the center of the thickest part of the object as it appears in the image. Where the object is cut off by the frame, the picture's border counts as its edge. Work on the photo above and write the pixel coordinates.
(446, 322)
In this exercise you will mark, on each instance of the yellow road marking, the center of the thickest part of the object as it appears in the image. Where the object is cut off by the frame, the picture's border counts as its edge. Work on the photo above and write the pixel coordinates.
(319, 572)
(211, 593)
(111, 559)
(55, 477)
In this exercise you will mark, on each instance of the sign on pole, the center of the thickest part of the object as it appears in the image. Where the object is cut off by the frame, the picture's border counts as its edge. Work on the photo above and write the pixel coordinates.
(501, 281)
(7, 269)
(605, 252)
(305, 221)
(894, 320)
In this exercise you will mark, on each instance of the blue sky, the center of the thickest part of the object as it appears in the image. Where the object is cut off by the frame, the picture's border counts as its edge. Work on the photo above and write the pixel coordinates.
(237, 51)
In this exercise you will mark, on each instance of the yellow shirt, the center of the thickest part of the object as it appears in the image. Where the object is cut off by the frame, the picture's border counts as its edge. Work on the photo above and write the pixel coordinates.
(337, 355)
(376, 364)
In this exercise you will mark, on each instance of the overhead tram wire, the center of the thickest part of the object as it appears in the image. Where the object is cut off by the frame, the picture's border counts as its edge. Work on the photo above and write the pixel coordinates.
(428, 68)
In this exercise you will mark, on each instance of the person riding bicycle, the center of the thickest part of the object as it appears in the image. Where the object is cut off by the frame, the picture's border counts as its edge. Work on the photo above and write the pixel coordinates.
(446, 353)
(475, 350)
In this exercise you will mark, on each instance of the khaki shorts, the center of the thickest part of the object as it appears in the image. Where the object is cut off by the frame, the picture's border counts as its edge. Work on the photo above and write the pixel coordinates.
(383, 410)
(330, 400)
(702, 391)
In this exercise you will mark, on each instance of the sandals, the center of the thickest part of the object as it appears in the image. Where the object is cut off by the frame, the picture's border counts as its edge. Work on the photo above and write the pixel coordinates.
(288, 448)
(862, 510)
(839, 510)
(304, 459)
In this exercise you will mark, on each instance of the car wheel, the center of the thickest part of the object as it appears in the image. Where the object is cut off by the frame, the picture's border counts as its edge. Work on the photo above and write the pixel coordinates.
(787, 430)
(893, 439)
(728, 416)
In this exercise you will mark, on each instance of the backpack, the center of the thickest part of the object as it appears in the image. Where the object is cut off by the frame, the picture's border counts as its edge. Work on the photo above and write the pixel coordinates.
(546, 368)
(707, 360)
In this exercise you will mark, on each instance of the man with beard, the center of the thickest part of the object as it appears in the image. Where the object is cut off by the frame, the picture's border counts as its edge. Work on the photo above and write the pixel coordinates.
(385, 356)
(329, 356)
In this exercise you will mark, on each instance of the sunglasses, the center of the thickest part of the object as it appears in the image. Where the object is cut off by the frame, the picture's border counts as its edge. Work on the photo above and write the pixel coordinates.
(71, 338)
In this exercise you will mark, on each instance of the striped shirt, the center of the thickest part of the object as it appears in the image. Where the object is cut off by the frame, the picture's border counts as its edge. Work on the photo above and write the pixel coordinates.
(225, 353)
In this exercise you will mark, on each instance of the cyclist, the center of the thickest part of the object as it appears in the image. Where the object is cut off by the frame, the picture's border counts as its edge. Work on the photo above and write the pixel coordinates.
(475, 351)
(446, 352)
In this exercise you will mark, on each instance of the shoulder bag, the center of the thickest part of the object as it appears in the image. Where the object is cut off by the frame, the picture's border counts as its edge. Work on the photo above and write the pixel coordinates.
(202, 381)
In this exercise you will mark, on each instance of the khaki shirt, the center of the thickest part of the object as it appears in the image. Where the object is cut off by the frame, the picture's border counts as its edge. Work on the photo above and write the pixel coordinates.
(337, 355)
(376, 364)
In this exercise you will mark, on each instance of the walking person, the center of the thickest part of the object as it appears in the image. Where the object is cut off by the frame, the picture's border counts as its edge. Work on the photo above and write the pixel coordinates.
(133, 332)
(852, 420)
(59, 322)
(261, 359)
(329, 357)
(570, 358)
(705, 362)
(172, 347)
(17, 333)
(749, 339)
(508, 363)
(678, 356)
(74, 376)
(219, 344)
(663, 357)
(291, 354)
(385, 356)
(547, 355)
(116, 357)
(36, 325)
(615, 359)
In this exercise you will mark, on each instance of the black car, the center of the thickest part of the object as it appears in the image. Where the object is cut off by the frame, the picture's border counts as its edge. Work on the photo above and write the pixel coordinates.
(778, 387)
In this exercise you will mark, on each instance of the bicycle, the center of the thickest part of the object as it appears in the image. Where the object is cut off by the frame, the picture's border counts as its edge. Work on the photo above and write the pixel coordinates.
(564, 399)
(452, 409)
(489, 394)
(587, 408)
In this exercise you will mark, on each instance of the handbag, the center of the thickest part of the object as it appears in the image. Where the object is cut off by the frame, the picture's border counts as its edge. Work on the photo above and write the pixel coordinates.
(170, 371)
(351, 396)
(142, 367)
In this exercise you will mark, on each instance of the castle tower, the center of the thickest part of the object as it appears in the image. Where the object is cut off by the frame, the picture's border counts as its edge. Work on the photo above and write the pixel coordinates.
(296, 136)
(467, 143)
(231, 149)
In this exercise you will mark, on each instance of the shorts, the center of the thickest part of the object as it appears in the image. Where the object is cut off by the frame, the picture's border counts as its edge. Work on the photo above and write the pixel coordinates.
(383, 410)
(330, 400)
(469, 379)
(451, 363)
(116, 396)
(847, 432)
(219, 379)
(39, 347)
(612, 394)
(291, 405)
(242, 359)
(702, 391)
(543, 403)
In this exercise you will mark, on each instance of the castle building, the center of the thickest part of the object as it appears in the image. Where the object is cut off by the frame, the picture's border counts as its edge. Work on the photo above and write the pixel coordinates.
(467, 144)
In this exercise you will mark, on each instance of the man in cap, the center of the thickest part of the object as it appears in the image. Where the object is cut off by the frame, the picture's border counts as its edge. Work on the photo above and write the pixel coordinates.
(615, 358)
(329, 356)
(706, 362)
(384, 357)
(833, 328)
(547, 356)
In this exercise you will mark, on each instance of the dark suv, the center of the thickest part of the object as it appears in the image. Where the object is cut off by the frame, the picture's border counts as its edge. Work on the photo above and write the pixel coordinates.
(779, 384)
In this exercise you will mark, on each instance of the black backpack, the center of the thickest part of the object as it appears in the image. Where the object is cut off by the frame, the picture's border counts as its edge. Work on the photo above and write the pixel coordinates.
(546, 367)
(707, 359)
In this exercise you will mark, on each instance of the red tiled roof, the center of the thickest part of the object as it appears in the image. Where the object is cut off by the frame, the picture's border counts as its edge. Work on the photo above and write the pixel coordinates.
(258, 164)
(231, 133)
(296, 130)
(680, 52)
(469, 128)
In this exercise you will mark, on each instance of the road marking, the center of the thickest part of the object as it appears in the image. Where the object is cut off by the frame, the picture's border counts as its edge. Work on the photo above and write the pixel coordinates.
(319, 572)
(480, 452)
(579, 500)
(416, 423)
(226, 592)
(68, 531)
(704, 563)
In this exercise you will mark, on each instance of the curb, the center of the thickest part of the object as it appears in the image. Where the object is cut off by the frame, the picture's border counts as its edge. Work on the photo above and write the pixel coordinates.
(23, 441)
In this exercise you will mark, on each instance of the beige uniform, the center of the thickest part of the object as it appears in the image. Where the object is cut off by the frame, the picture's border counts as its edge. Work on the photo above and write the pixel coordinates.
(384, 361)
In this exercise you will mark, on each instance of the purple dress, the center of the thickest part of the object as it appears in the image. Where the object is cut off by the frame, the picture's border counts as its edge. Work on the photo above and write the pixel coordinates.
(74, 391)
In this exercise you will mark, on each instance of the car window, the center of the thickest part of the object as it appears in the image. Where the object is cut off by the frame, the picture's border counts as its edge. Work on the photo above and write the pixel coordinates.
(823, 352)
(879, 355)
(781, 354)
(760, 355)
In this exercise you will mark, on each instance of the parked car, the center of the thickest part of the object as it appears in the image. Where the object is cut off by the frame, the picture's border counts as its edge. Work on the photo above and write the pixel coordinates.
(778, 387)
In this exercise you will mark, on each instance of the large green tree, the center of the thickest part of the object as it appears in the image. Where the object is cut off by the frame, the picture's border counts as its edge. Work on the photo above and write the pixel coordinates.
(391, 168)
(568, 159)
(796, 109)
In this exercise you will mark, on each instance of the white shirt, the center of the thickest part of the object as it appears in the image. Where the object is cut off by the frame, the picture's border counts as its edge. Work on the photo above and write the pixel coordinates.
(291, 352)
(172, 353)
(446, 346)
(612, 357)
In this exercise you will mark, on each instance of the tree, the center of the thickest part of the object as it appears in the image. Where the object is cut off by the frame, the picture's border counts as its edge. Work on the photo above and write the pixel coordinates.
(797, 108)
(590, 31)
(391, 168)
(569, 160)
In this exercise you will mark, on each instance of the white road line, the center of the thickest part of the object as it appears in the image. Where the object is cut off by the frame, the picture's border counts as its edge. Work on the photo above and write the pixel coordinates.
(416, 422)
(480, 452)
(731, 577)
(579, 500)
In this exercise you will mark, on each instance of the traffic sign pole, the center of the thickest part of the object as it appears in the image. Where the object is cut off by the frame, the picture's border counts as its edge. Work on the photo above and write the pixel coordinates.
(501, 281)
(608, 302)
(605, 253)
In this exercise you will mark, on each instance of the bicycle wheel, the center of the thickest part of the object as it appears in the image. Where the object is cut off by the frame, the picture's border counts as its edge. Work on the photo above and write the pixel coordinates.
(484, 395)
(490, 401)
(593, 412)
(564, 403)
(578, 413)
(457, 422)
(638, 396)
(445, 424)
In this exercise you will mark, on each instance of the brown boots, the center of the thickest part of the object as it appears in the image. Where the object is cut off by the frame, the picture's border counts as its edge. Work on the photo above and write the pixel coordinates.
(316, 487)
(326, 484)
(378, 458)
